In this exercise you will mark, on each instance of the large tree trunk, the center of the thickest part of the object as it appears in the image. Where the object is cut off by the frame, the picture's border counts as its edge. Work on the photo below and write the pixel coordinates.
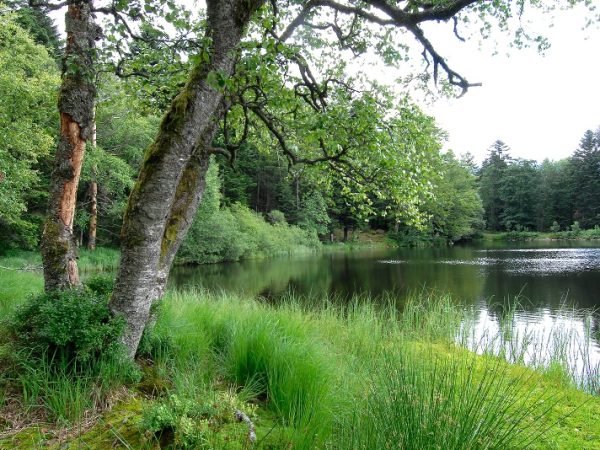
(76, 107)
(171, 182)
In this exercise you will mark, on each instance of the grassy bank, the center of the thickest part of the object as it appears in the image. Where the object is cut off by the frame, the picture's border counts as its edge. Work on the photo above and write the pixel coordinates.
(98, 260)
(315, 376)
(570, 235)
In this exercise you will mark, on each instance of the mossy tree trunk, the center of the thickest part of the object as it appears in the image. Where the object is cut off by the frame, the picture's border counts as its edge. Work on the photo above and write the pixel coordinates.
(76, 108)
(171, 181)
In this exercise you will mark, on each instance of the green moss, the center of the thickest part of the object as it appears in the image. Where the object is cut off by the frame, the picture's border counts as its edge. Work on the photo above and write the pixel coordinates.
(183, 197)
(154, 383)
(54, 247)
(28, 438)
(115, 429)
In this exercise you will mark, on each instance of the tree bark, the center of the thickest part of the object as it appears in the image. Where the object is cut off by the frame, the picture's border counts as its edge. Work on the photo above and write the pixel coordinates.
(93, 193)
(76, 107)
(171, 181)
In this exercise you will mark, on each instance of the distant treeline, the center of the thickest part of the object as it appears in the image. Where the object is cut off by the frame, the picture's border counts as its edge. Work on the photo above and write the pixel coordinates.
(521, 195)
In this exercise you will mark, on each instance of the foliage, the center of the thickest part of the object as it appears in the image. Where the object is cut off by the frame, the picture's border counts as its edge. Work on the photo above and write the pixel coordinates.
(38, 24)
(455, 208)
(554, 195)
(276, 217)
(62, 353)
(585, 181)
(235, 232)
(523, 195)
(197, 423)
(519, 192)
(73, 326)
(28, 89)
(313, 214)
(124, 129)
(101, 285)
(491, 176)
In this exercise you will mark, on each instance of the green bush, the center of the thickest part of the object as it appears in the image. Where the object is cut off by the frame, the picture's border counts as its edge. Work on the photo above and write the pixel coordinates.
(204, 423)
(102, 284)
(276, 216)
(236, 232)
(76, 326)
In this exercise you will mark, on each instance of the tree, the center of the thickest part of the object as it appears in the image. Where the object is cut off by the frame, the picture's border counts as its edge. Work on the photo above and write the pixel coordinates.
(320, 122)
(28, 83)
(254, 72)
(39, 26)
(555, 195)
(519, 194)
(455, 207)
(313, 213)
(124, 129)
(585, 184)
(76, 109)
(490, 182)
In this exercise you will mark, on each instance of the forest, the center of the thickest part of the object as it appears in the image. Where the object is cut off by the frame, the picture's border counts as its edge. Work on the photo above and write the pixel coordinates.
(552, 196)
(464, 198)
(234, 133)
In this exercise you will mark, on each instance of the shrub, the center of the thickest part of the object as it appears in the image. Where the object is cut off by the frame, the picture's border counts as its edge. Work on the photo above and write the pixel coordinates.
(276, 216)
(102, 285)
(187, 423)
(236, 232)
(76, 326)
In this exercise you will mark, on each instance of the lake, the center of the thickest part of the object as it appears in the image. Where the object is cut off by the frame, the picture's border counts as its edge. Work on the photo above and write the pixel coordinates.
(557, 285)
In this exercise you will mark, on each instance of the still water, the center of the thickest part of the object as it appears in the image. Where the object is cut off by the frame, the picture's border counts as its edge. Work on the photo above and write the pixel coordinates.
(557, 285)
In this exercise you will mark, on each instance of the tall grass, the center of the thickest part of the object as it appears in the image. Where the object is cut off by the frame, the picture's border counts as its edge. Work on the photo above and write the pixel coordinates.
(15, 287)
(53, 388)
(560, 345)
(98, 260)
(101, 259)
(329, 375)
(353, 377)
(417, 399)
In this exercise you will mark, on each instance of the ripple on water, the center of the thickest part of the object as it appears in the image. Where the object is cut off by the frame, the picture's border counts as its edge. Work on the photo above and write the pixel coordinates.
(537, 261)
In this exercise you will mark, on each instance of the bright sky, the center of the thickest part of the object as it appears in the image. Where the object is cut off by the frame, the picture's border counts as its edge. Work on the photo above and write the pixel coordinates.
(540, 106)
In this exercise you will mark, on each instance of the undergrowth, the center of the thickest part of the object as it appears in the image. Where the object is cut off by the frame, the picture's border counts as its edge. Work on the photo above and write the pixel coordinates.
(355, 376)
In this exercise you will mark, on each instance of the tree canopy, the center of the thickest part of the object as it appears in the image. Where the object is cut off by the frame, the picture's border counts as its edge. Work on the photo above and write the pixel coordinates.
(28, 86)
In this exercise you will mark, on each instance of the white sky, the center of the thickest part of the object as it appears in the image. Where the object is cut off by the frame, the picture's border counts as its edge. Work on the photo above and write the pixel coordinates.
(540, 106)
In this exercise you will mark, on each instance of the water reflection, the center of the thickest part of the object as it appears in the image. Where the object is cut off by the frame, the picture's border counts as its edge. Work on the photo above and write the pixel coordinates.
(545, 279)
(539, 340)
